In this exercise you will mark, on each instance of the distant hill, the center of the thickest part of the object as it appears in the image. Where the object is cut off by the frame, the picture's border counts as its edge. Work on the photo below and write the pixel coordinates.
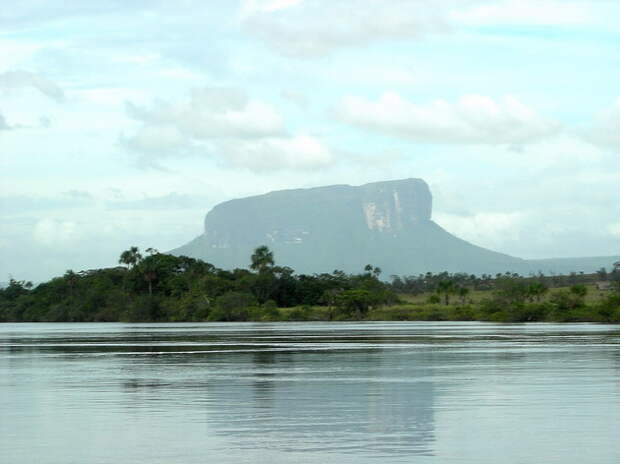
(387, 224)
(568, 265)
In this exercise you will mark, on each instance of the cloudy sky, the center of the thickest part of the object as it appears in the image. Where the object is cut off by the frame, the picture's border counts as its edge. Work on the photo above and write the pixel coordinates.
(122, 122)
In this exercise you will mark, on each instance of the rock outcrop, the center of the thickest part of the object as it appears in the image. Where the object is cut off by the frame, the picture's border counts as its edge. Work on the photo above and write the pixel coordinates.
(387, 224)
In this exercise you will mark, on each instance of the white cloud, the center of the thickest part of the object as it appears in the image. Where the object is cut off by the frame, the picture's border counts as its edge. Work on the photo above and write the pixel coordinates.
(227, 124)
(524, 12)
(92, 237)
(606, 131)
(256, 119)
(22, 106)
(316, 27)
(112, 96)
(249, 7)
(490, 229)
(3, 124)
(140, 59)
(473, 119)
(555, 213)
(158, 139)
(12, 80)
(297, 152)
(37, 10)
(214, 112)
(297, 98)
(614, 229)
(15, 52)
(381, 73)
(53, 231)
(552, 157)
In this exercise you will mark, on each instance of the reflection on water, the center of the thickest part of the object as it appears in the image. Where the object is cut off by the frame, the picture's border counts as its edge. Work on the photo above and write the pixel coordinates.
(380, 392)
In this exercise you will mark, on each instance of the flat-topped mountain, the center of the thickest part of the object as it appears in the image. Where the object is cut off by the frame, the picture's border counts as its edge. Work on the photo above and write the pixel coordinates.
(387, 224)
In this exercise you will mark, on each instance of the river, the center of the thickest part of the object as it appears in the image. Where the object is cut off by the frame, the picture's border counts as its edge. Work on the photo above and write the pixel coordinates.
(424, 392)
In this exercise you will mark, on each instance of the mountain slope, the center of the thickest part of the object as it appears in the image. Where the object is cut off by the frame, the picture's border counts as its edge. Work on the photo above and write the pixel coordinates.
(387, 224)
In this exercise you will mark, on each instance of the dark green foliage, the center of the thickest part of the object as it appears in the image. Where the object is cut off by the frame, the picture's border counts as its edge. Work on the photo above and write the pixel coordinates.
(160, 287)
(298, 314)
(262, 259)
(269, 312)
(233, 307)
(609, 309)
(145, 309)
(537, 285)
(579, 290)
(354, 303)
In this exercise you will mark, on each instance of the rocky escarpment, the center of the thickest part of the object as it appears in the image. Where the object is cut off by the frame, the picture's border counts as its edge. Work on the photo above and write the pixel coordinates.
(386, 224)
(306, 216)
(341, 227)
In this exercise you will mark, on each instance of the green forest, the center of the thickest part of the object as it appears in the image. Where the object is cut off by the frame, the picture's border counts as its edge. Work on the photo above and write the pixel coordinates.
(158, 287)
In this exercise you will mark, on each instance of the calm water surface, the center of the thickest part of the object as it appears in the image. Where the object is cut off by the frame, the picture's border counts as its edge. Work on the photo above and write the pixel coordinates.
(309, 393)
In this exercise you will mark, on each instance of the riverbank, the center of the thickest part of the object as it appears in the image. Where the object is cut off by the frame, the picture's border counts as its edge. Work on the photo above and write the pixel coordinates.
(164, 288)
(607, 310)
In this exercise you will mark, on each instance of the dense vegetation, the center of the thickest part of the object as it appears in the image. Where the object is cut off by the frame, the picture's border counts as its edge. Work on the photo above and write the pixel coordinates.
(159, 287)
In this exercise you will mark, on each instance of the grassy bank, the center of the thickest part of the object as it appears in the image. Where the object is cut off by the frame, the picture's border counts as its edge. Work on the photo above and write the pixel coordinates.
(605, 309)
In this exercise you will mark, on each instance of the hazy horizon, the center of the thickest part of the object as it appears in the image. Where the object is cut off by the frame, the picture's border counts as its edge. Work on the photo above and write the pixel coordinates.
(124, 123)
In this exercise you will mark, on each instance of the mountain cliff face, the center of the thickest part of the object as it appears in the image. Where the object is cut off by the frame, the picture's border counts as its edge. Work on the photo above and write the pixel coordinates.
(301, 217)
(386, 224)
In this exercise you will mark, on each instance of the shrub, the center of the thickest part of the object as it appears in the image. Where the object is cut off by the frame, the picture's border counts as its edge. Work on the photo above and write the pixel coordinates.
(232, 306)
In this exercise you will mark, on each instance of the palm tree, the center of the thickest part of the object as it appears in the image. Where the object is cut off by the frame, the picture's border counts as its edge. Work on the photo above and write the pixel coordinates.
(71, 279)
(602, 273)
(615, 275)
(150, 268)
(262, 259)
(150, 275)
(462, 292)
(130, 257)
(446, 287)
(372, 270)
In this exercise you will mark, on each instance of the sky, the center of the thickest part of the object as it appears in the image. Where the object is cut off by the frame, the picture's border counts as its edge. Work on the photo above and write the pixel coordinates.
(123, 122)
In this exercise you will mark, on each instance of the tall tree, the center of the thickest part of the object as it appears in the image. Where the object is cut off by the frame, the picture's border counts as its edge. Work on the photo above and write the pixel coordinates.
(447, 287)
(130, 257)
(262, 259)
(71, 278)
(462, 292)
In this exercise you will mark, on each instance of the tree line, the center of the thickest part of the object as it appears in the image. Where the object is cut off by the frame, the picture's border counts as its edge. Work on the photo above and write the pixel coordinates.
(157, 287)
(424, 283)
(160, 287)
